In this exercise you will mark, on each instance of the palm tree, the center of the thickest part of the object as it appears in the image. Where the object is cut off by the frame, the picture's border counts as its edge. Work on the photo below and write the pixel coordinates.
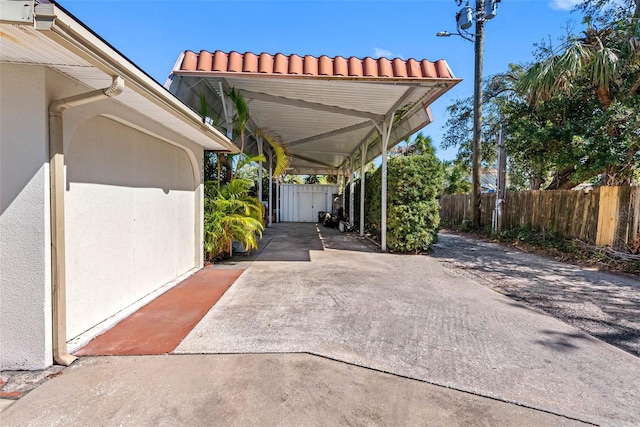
(456, 178)
(241, 120)
(231, 214)
(609, 67)
(241, 116)
(602, 66)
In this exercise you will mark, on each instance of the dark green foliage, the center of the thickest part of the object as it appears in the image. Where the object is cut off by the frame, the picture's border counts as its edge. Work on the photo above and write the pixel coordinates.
(373, 201)
(231, 213)
(571, 115)
(457, 179)
(414, 185)
(413, 213)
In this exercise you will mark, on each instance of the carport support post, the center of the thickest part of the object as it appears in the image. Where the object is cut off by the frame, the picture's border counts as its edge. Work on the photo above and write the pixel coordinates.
(386, 133)
(278, 199)
(351, 188)
(260, 169)
(344, 190)
(363, 160)
(270, 209)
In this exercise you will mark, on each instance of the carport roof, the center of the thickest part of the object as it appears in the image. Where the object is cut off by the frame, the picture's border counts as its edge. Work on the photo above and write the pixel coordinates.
(326, 109)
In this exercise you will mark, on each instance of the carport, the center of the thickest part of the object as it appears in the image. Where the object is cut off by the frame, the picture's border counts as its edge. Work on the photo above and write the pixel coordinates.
(335, 114)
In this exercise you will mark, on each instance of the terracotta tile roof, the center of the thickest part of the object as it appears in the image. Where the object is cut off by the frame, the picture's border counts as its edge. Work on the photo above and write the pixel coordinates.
(295, 65)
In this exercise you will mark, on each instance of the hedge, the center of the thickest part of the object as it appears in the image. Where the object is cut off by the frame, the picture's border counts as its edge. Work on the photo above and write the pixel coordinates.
(414, 185)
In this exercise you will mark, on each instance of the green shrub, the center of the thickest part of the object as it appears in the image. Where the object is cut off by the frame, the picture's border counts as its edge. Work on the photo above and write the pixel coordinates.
(415, 183)
(413, 211)
(231, 213)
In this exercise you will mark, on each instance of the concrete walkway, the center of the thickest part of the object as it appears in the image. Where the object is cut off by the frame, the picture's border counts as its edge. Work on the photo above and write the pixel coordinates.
(327, 331)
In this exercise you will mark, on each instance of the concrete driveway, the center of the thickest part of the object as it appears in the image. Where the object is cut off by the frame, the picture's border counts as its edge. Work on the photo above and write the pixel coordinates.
(325, 330)
(408, 316)
(603, 304)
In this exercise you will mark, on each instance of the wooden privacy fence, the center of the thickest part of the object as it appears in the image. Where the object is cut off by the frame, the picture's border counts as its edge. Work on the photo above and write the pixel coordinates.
(602, 216)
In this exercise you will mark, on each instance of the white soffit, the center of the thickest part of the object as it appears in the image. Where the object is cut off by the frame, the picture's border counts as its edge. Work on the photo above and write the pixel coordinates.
(324, 121)
(23, 44)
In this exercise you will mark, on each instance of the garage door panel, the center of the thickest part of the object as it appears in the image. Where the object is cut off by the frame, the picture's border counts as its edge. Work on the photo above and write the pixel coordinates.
(130, 219)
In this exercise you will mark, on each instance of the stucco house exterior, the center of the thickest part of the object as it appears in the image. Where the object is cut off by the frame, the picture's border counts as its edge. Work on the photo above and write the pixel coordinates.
(101, 194)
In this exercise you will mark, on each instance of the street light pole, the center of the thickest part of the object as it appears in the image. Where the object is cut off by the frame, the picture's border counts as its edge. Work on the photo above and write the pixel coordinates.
(476, 173)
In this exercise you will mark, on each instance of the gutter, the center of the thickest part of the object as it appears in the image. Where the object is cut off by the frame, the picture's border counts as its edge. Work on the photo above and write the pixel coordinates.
(62, 27)
(61, 354)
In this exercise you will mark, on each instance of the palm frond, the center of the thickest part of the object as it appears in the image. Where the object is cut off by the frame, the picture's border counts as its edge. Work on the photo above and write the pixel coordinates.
(538, 83)
(280, 151)
(603, 70)
(204, 108)
(241, 116)
(246, 160)
(231, 213)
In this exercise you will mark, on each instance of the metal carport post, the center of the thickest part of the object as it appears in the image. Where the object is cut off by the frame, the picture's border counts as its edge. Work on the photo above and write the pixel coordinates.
(278, 207)
(385, 133)
(363, 161)
(351, 188)
(260, 152)
(270, 208)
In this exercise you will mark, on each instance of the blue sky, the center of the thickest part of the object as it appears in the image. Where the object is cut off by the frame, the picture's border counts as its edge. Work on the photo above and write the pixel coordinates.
(152, 33)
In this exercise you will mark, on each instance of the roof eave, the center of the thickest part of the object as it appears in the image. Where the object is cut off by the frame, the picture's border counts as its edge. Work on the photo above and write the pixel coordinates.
(423, 81)
(67, 31)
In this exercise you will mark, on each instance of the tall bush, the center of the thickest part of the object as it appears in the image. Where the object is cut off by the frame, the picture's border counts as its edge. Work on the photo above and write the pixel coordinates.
(414, 185)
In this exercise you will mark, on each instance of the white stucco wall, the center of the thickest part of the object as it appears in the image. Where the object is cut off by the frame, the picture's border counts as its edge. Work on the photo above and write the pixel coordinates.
(25, 256)
(133, 211)
(130, 218)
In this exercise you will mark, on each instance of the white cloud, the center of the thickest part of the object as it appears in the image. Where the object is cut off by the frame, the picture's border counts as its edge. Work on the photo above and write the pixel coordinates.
(386, 53)
(563, 4)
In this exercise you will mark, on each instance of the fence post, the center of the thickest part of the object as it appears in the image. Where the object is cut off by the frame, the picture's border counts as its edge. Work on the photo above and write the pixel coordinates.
(607, 216)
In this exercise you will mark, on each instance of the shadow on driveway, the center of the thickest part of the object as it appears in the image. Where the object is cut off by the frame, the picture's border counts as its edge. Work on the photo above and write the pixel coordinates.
(605, 305)
(294, 241)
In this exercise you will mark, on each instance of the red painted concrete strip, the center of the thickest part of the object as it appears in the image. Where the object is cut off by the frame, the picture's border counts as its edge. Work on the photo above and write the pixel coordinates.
(158, 327)
(10, 394)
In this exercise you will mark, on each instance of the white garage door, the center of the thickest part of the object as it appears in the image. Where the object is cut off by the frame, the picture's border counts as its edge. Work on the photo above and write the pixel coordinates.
(130, 219)
(303, 202)
(309, 204)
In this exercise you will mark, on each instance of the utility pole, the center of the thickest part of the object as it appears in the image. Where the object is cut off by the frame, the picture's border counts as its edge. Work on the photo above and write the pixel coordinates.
(465, 18)
(476, 172)
(501, 187)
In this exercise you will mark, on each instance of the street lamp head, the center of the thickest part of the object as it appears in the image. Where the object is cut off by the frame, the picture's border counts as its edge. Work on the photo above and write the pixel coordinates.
(443, 34)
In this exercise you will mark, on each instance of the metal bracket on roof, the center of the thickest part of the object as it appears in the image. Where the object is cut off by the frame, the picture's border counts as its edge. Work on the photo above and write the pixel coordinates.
(317, 162)
(16, 12)
(378, 126)
(227, 118)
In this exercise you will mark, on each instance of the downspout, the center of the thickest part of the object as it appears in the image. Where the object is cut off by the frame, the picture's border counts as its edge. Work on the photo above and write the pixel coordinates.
(61, 355)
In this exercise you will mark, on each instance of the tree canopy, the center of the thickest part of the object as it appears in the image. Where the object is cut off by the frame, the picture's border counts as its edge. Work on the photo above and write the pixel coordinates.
(571, 115)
